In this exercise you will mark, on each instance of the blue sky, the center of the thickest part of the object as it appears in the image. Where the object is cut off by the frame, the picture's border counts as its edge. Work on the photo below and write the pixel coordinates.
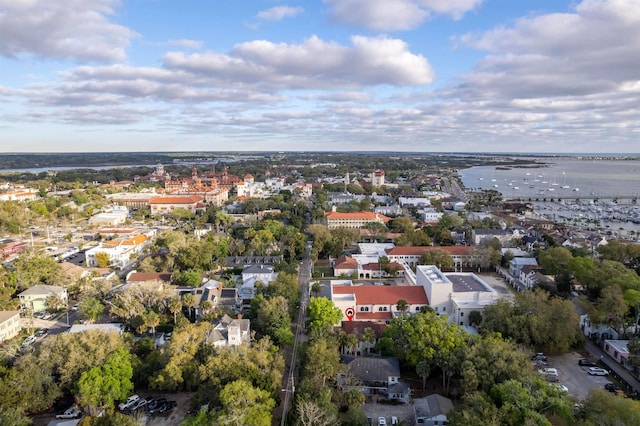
(324, 75)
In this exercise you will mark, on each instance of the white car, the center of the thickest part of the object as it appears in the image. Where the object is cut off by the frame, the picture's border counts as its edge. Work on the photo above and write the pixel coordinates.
(382, 421)
(69, 413)
(29, 340)
(548, 371)
(128, 403)
(394, 420)
(563, 388)
(597, 371)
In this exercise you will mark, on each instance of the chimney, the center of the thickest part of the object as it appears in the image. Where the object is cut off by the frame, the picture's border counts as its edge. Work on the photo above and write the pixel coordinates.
(219, 286)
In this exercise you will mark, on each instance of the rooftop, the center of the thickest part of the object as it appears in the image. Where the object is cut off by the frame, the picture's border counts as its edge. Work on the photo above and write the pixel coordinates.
(467, 282)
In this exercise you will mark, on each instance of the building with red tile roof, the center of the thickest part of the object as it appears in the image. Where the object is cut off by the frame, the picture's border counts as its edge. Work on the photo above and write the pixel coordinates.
(353, 220)
(463, 256)
(166, 204)
(375, 302)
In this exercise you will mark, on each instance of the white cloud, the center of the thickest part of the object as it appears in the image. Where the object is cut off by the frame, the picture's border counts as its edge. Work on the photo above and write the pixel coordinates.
(561, 53)
(278, 13)
(62, 29)
(389, 15)
(312, 64)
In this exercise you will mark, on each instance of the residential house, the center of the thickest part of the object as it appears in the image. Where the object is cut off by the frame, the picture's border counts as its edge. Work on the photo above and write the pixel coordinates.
(9, 325)
(230, 332)
(358, 328)
(374, 376)
(10, 247)
(528, 275)
(262, 273)
(134, 277)
(406, 202)
(35, 298)
(21, 195)
(107, 328)
(345, 266)
(212, 292)
(617, 349)
(242, 261)
(517, 263)
(120, 251)
(478, 236)
(432, 410)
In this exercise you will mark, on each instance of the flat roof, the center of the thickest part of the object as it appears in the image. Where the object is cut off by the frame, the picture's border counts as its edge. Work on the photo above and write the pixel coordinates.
(467, 282)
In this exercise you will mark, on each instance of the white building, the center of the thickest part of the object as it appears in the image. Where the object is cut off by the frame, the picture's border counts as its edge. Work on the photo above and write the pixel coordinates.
(120, 251)
(262, 273)
(455, 294)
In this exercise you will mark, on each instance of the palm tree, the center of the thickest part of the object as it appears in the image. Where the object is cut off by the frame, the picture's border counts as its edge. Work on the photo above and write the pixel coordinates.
(316, 288)
(206, 307)
(151, 320)
(189, 300)
(175, 306)
(369, 337)
(402, 306)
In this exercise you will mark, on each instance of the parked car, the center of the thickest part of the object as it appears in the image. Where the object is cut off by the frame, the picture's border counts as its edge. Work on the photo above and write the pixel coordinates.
(548, 370)
(128, 403)
(563, 388)
(394, 420)
(69, 413)
(539, 357)
(597, 371)
(140, 403)
(75, 307)
(42, 332)
(169, 405)
(155, 404)
(382, 421)
(586, 363)
(29, 340)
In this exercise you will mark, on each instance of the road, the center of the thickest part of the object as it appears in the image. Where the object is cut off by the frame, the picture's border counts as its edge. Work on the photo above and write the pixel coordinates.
(292, 372)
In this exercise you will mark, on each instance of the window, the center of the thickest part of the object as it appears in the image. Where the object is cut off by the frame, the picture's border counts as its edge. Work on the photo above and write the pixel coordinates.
(417, 308)
(444, 309)
(461, 314)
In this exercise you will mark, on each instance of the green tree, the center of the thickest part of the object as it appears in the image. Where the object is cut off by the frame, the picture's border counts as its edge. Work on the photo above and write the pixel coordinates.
(102, 259)
(440, 258)
(243, 404)
(100, 386)
(91, 309)
(175, 307)
(189, 277)
(555, 259)
(602, 408)
(189, 300)
(402, 306)
(323, 314)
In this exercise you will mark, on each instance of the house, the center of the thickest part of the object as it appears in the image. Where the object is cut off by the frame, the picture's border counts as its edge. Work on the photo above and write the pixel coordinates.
(528, 275)
(262, 273)
(432, 410)
(358, 328)
(10, 247)
(35, 298)
(353, 220)
(213, 292)
(134, 277)
(9, 325)
(21, 195)
(107, 328)
(242, 261)
(505, 236)
(345, 265)
(230, 332)
(517, 263)
(617, 349)
(120, 251)
(375, 376)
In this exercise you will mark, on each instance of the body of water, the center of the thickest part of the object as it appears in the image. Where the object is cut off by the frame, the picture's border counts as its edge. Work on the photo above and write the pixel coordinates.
(561, 179)
(554, 190)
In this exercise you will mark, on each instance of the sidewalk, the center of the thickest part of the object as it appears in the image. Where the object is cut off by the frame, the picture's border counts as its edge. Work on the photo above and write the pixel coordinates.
(612, 365)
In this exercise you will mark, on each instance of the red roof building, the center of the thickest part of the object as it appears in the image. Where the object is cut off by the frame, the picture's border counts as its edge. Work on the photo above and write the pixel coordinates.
(353, 220)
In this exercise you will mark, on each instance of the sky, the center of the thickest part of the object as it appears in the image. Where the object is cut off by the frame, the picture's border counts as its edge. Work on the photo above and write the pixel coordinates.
(534, 76)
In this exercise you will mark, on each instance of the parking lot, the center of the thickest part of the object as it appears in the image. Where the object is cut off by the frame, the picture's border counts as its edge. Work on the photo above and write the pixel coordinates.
(575, 377)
